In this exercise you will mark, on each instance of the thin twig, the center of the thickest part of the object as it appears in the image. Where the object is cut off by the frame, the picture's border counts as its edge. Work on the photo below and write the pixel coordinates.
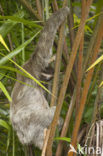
(65, 47)
(55, 5)
(71, 25)
(57, 66)
(39, 8)
(46, 136)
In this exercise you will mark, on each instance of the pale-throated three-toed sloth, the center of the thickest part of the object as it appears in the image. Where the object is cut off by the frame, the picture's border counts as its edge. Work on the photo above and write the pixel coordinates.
(29, 111)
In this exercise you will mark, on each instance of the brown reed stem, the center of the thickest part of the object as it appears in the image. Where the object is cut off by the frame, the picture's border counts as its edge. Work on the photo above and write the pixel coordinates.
(66, 80)
(87, 84)
(28, 6)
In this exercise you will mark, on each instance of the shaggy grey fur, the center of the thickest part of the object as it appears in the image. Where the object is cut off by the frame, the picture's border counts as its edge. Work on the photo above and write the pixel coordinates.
(29, 111)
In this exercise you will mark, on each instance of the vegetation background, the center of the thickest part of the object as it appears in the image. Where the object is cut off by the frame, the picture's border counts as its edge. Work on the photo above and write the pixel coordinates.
(77, 45)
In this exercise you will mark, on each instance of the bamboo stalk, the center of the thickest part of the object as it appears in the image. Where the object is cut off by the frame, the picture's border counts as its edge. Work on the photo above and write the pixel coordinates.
(39, 8)
(66, 80)
(87, 84)
(66, 123)
(79, 70)
(55, 5)
(57, 65)
(77, 95)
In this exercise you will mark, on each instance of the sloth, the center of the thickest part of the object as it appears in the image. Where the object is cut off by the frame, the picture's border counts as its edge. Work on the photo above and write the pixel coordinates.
(30, 112)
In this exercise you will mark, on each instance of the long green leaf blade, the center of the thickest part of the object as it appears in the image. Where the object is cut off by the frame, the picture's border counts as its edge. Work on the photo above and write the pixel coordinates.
(21, 20)
(17, 50)
(8, 25)
(95, 63)
(4, 124)
(5, 91)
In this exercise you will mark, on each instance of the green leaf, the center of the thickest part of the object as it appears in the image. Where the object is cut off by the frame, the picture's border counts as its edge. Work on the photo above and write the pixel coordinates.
(4, 44)
(4, 124)
(29, 75)
(87, 28)
(7, 26)
(8, 140)
(5, 91)
(13, 69)
(77, 20)
(17, 80)
(21, 20)
(1, 76)
(17, 50)
(101, 84)
(63, 139)
(95, 63)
